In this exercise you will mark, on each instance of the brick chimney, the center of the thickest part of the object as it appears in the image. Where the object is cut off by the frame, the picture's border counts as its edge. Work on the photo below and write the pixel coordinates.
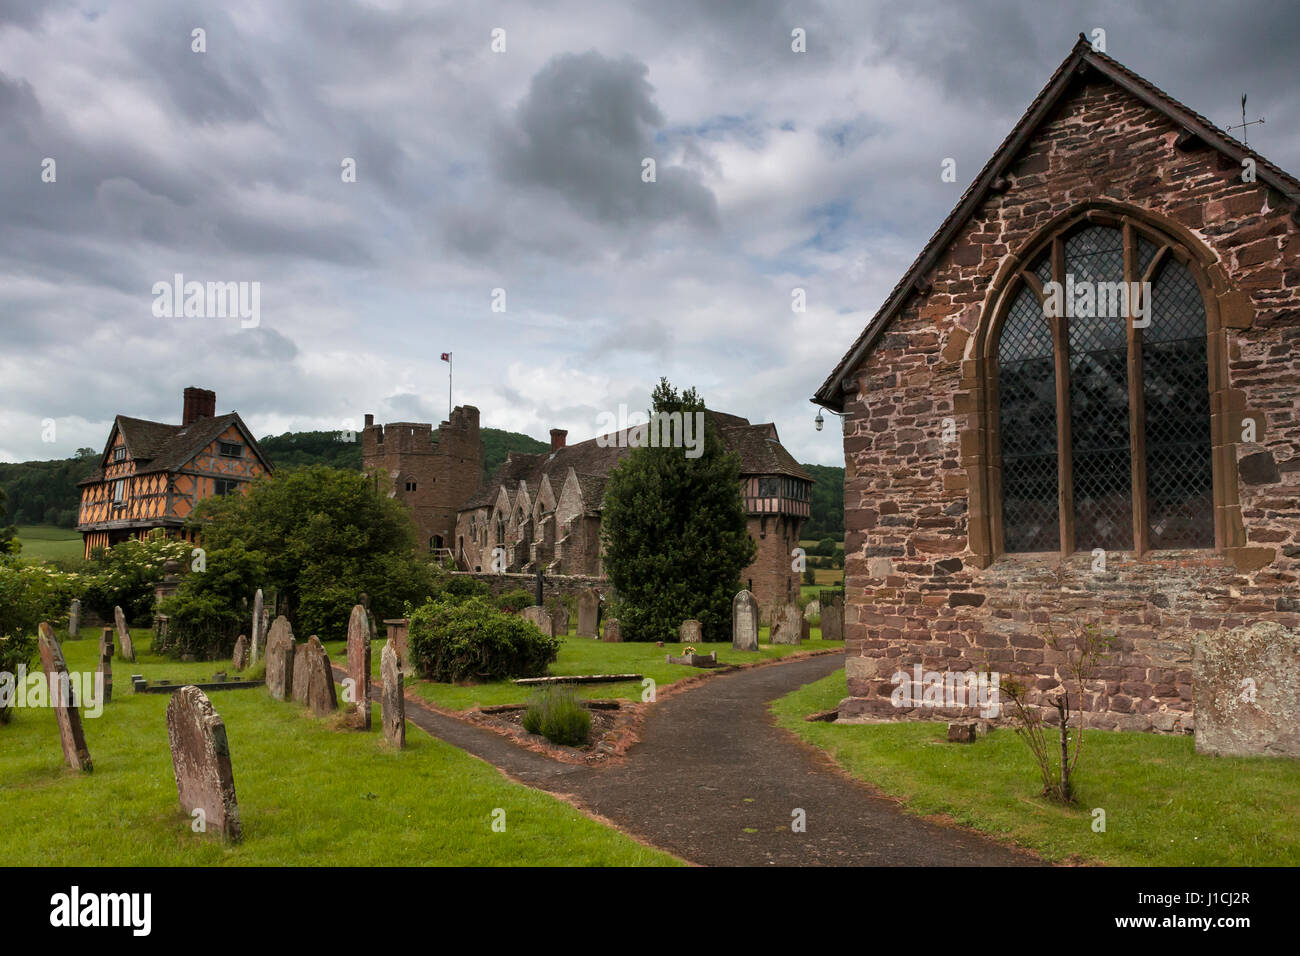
(558, 438)
(199, 403)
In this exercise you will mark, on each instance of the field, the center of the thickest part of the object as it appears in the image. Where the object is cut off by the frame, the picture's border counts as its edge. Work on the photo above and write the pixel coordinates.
(48, 542)
(309, 792)
(1161, 803)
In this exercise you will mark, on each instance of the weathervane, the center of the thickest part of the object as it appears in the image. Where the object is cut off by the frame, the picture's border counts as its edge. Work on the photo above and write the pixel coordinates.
(1244, 122)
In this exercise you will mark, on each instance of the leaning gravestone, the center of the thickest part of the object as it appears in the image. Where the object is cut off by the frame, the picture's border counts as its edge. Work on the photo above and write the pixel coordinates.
(833, 620)
(588, 605)
(319, 678)
(538, 615)
(106, 663)
(787, 624)
(279, 659)
(359, 661)
(392, 701)
(61, 700)
(74, 617)
(201, 760)
(744, 622)
(301, 662)
(691, 632)
(240, 660)
(561, 619)
(124, 634)
(259, 632)
(613, 633)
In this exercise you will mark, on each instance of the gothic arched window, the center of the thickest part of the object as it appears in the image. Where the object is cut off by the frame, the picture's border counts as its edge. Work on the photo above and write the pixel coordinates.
(1103, 401)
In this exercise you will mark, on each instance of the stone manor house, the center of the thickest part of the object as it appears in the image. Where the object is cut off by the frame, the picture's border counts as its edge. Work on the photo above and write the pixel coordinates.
(1008, 465)
(544, 509)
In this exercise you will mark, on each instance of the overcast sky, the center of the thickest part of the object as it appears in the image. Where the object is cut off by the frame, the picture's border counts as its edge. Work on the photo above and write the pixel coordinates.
(521, 171)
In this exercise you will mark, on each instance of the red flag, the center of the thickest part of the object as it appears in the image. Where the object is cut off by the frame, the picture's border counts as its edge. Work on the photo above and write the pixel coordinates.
(446, 356)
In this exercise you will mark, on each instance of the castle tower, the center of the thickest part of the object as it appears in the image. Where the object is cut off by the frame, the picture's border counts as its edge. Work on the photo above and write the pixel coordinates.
(432, 479)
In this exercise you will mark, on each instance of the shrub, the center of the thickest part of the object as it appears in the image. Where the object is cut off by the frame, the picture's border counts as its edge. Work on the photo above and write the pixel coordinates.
(15, 651)
(31, 593)
(457, 642)
(206, 612)
(826, 546)
(556, 714)
(125, 575)
(515, 600)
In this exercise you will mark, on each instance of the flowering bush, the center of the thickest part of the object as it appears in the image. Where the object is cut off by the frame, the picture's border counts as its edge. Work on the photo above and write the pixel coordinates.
(125, 575)
(31, 593)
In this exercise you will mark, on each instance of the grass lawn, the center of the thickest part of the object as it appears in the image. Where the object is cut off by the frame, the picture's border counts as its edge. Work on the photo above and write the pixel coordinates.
(584, 655)
(1165, 805)
(308, 794)
(47, 542)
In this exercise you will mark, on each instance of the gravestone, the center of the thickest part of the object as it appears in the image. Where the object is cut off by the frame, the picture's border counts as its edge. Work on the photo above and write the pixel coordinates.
(201, 761)
(833, 620)
(259, 634)
(744, 622)
(106, 663)
(319, 678)
(123, 634)
(280, 650)
(787, 624)
(393, 701)
(160, 625)
(813, 609)
(398, 628)
(301, 662)
(359, 661)
(691, 632)
(61, 700)
(805, 630)
(613, 633)
(240, 660)
(538, 615)
(588, 605)
(561, 619)
(74, 617)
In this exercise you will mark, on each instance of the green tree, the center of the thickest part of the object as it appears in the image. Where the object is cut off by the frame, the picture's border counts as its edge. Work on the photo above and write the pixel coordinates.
(324, 536)
(8, 543)
(675, 532)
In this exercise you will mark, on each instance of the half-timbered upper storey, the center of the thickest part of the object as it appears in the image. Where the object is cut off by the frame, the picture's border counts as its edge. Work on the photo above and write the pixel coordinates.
(152, 474)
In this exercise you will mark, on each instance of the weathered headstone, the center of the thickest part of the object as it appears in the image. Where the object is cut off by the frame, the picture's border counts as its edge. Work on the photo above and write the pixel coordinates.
(561, 619)
(393, 701)
(301, 662)
(613, 633)
(691, 632)
(123, 634)
(160, 625)
(1246, 691)
(538, 615)
(240, 660)
(280, 650)
(787, 625)
(398, 628)
(106, 663)
(744, 622)
(813, 609)
(74, 617)
(319, 678)
(205, 781)
(805, 629)
(588, 604)
(259, 635)
(833, 620)
(359, 661)
(61, 700)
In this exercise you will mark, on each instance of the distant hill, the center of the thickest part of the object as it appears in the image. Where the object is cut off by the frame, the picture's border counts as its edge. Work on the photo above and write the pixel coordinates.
(827, 502)
(45, 492)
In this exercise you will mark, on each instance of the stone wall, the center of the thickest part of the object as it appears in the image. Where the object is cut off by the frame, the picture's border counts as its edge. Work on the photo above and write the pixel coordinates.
(923, 583)
(556, 584)
(770, 578)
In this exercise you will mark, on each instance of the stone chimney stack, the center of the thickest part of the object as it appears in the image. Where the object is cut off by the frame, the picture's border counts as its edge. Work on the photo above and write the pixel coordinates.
(370, 420)
(199, 403)
(558, 437)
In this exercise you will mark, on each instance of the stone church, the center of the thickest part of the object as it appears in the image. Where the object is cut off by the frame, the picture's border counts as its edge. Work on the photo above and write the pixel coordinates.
(1079, 404)
(544, 510)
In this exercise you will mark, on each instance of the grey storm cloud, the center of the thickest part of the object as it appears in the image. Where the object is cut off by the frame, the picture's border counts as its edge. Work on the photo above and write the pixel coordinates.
(584, 129)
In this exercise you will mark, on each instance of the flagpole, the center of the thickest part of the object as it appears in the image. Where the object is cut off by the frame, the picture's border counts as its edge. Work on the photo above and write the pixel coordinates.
(449, 357)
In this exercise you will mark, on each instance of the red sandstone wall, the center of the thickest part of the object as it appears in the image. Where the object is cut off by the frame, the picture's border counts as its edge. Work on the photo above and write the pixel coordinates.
(915, 594)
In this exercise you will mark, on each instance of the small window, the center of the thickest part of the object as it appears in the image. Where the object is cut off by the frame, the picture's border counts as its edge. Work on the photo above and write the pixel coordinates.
(119, 453)
(119, 491)
(410, 484)
(230, 449)
(769, 487)
(224, 486)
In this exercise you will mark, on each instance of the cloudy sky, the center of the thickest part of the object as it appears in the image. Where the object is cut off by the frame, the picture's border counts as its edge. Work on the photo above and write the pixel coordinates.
(516, 170)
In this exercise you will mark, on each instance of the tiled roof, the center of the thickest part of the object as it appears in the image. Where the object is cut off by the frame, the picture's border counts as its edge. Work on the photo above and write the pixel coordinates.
(1082, 56)
(761, 453)
(157, 446)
